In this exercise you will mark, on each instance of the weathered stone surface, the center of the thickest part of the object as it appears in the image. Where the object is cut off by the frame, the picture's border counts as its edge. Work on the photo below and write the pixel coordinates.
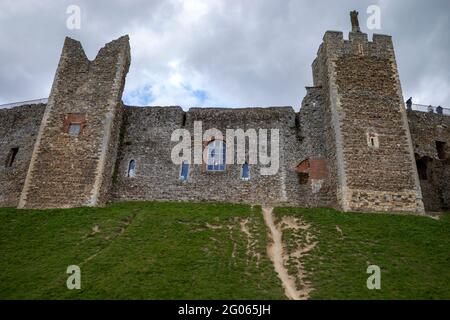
(426, 130)
(147, 140)
(18, 129)
(364, 100)
(67, 170)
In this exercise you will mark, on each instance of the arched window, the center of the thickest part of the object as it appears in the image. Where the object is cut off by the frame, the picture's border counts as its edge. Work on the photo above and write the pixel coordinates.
(131, 169)
(184, 173)
(216, 156)
(245, 174)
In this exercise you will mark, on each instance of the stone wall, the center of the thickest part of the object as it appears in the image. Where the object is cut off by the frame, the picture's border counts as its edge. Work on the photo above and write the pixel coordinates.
(375, 166)
(426, 130)
(69, 170)
(146, 138)
(319, 187)
(18, 129)
(147, 141)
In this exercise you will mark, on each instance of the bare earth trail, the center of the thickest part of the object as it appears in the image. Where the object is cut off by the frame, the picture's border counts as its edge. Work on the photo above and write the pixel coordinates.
(278, 257)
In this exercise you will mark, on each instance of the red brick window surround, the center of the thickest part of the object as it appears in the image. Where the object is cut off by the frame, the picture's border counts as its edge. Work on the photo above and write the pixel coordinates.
(315, 169)
(74, 123)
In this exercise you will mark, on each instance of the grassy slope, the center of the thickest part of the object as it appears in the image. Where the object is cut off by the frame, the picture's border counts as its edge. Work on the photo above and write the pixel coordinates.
(143, 251)
(185, 251)
(413, 254)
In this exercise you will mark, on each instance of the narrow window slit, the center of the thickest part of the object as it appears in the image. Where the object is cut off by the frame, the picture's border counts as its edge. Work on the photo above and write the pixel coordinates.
(11, 157)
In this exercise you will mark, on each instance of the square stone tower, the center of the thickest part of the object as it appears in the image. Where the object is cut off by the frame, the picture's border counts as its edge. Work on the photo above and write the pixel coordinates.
(75, 151)
(370, 150)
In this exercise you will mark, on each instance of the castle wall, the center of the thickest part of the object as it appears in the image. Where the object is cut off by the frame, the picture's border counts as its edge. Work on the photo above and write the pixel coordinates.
(426, 129)
(147, 140)
(332, 136)
(18, 129)
(364, 98)
(69, 170)
(319, 188)
(157, 175)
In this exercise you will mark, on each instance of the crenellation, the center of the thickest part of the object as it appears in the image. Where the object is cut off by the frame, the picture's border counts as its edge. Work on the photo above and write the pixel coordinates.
(357, 38)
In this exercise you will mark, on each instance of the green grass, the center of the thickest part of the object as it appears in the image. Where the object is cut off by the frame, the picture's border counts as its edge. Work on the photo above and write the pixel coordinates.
(143, 251)
(149, 250)
(413, 253)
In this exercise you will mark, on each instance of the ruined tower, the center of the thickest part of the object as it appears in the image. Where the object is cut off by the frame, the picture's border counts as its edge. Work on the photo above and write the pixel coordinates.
(75, 150)
(369, 146)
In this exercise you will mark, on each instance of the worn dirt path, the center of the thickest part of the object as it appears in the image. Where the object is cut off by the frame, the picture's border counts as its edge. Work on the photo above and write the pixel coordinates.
(275, 252)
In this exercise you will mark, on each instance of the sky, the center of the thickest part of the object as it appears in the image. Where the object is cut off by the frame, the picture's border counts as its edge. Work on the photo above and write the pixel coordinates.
(221, 53)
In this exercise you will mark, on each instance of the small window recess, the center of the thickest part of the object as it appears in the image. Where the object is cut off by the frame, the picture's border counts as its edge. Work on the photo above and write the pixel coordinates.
(131, 172)
(74, 123)
(74, 128)
(303, 172)
(11, 157)
(184, 171)
(440, 148)
(245, 172)
(422, 168)
(372, 140)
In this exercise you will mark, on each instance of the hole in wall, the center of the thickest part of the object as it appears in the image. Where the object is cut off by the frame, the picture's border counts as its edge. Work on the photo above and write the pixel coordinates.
(422, 168)
(441, 150)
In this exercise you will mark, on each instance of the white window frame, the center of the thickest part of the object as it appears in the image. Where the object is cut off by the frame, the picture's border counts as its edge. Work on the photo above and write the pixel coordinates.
(242, 172)
(133, 175)
(221, 154)
(187, 173)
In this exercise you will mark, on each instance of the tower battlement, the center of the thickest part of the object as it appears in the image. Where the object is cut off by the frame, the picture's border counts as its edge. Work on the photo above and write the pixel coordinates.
(364, 107)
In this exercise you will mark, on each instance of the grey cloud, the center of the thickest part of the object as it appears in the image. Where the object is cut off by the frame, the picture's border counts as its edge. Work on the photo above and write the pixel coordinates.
(242, 53)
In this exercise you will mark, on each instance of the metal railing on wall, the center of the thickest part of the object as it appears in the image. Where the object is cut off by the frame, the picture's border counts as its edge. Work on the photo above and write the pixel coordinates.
(429, 108)
(22, 103)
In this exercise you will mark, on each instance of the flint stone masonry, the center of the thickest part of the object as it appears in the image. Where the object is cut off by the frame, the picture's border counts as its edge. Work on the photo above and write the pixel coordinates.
(326, 158)
(426, 129)
(18, 129)
(363, 95)
(147, 140)
(67, 170)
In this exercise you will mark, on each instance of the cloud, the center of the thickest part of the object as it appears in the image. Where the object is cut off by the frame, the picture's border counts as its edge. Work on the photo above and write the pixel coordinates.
(226, 53)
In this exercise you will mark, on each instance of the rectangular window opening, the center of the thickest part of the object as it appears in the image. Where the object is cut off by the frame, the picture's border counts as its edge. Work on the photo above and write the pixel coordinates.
(440, 147)
(245, 175)
(303, 178)
(74, 128)
(422, 169)
(74, 123)
(184, 171)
